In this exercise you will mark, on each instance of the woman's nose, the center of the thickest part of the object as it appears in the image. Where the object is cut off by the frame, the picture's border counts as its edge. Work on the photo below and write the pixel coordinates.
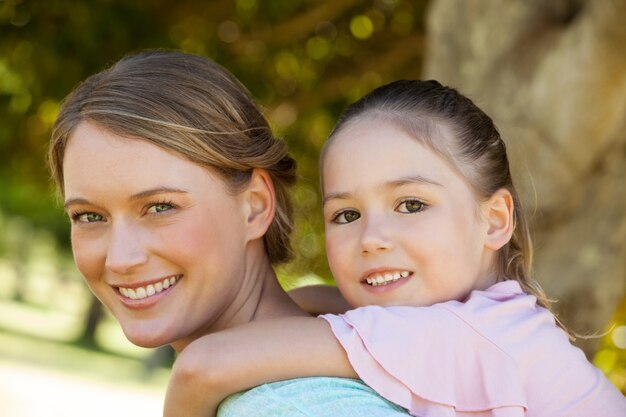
(375, 237)
(126, 251)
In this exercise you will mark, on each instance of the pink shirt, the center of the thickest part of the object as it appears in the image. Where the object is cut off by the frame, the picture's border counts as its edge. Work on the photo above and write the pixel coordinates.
(496, 354)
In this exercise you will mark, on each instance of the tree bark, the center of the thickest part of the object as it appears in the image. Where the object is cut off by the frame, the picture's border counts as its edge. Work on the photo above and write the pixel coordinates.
(93, 317)
(553, 77)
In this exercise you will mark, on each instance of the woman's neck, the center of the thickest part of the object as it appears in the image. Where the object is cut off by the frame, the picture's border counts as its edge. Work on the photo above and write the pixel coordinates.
(267, 298)
(260, 297)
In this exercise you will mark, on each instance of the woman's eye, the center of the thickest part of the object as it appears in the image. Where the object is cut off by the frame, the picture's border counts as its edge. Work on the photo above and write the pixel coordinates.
(159, 208)
(87, 217)
(347, 216)
(410, 206)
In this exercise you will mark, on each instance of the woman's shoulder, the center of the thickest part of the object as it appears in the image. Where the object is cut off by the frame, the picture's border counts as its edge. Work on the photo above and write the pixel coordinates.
(308, 397)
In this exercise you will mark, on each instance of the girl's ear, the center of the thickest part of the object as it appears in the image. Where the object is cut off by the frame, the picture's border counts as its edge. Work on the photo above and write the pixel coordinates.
(260, 204)
(499, 214)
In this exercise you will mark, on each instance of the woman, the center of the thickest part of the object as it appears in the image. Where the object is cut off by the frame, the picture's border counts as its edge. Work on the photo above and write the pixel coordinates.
(177, 194)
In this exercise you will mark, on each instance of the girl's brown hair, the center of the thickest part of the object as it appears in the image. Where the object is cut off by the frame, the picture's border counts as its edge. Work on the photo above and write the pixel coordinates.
(194, 107)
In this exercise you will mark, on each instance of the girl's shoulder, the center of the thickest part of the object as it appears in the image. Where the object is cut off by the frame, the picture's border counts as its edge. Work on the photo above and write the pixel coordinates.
(425, 357)
(484, 311)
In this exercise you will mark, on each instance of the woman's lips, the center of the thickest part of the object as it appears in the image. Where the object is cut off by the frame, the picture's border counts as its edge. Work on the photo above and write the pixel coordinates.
(147, 291)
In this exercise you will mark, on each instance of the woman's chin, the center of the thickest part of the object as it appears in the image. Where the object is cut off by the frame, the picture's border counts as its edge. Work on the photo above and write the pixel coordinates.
(144, 337)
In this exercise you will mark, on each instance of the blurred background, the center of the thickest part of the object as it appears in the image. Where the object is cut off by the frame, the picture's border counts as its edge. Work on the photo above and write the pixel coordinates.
(551, 74)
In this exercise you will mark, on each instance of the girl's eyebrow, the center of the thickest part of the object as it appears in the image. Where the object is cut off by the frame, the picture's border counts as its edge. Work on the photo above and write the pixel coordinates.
(410, 179)
(335, 196)
(407, 180)
(138, 196)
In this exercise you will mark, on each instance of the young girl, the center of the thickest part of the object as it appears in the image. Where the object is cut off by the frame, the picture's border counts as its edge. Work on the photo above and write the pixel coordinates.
(427, 241)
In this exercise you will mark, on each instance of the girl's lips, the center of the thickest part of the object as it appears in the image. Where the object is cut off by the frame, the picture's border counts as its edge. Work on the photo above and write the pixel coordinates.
(140, 292)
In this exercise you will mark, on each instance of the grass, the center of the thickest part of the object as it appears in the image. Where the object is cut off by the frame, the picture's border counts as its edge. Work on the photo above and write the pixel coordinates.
(44, 338)
(43, 373)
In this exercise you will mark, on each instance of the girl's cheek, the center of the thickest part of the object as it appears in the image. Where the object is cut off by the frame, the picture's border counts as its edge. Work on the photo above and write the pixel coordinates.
(336, 251)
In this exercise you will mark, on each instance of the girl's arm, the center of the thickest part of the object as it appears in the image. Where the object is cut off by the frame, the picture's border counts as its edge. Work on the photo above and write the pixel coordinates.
(320, 299)
(236, 359)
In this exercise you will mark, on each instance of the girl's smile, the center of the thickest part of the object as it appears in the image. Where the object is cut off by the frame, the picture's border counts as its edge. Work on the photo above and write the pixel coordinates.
(402, 226)
(385, 276)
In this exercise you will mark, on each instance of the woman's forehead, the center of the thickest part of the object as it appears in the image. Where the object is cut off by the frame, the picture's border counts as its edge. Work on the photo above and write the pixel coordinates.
(96, 158)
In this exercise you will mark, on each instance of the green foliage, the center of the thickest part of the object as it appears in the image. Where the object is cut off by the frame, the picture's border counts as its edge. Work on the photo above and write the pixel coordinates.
(304, 61)
(611, 356)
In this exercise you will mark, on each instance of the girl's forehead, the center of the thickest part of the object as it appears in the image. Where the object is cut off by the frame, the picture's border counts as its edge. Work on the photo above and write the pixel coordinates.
(370, 148)
(383, 135)
(371, 153)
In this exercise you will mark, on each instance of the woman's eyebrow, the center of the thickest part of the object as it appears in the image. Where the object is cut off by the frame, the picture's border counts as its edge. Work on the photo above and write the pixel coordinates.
(72, 201)
(138, 196)
(153, 191)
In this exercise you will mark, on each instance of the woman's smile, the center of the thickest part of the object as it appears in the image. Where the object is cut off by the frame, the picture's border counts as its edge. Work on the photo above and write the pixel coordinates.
(153, 234)
(138, 291)
(142, 295)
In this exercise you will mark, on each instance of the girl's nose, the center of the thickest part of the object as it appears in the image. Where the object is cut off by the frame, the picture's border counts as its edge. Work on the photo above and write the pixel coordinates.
(126, 251)
(375, 237)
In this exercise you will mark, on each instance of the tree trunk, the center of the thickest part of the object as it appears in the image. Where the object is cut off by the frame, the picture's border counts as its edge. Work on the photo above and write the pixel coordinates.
(552, 74)
(94, 316)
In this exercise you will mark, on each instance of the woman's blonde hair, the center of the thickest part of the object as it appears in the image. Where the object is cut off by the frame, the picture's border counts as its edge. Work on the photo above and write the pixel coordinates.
(194, 107)
(462, 134)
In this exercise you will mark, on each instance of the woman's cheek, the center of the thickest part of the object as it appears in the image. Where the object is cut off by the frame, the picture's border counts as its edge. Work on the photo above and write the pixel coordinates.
(89, 255)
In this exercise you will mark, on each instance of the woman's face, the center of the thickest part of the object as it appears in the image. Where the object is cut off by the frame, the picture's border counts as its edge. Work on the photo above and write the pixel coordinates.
(159, 239)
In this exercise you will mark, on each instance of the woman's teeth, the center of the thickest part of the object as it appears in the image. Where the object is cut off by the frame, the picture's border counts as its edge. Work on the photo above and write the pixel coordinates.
(139, 293)
(386, 278)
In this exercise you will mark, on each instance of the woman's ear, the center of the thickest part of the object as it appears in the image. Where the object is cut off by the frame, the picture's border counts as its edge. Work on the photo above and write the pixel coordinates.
(498, 211)
(260, 203)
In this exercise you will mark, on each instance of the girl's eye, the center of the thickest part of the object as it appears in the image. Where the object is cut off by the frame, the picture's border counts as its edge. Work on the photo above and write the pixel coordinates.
(410, 206)
(346, 216)
(88, 217)
(159, 208)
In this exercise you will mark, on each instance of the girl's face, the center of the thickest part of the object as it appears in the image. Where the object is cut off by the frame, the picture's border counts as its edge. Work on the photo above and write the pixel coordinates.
(158, 239)
(402, 227)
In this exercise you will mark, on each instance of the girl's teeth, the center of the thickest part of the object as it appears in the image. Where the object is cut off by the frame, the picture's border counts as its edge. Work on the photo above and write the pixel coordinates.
(386, 278)
(140, 293)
